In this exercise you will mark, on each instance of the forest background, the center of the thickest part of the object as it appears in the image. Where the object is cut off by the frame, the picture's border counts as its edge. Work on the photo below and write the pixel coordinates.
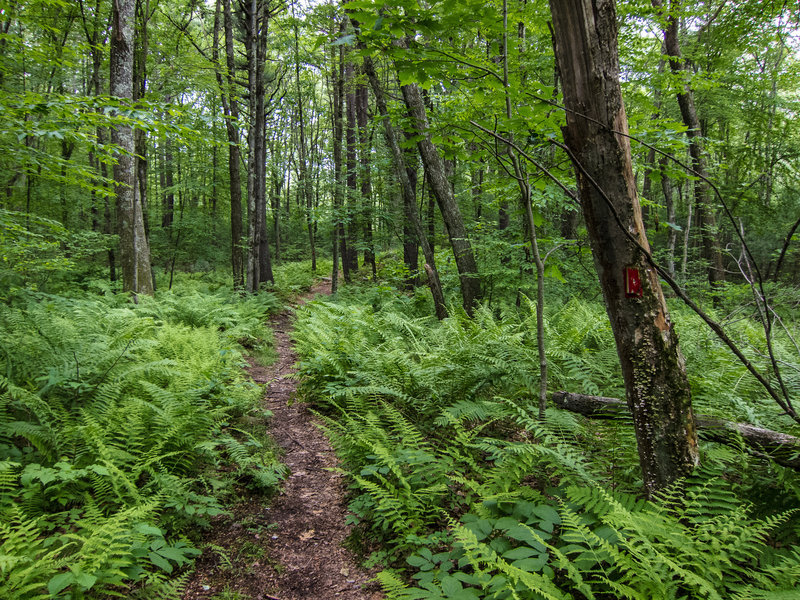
(218, 154)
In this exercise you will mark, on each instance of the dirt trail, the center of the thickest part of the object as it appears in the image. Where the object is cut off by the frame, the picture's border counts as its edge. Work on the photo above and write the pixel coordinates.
(291, 549)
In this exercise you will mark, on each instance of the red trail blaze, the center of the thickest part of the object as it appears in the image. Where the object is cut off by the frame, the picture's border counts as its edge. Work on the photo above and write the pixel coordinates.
(633, 283)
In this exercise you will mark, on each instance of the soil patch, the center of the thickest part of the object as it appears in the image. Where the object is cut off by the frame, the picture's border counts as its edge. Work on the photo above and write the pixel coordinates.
(292, 548)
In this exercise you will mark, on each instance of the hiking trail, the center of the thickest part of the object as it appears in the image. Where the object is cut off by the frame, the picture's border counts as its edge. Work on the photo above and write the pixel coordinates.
(288, 548)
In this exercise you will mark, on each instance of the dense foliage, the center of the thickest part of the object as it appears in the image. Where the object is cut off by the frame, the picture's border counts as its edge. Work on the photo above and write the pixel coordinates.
(115, 423)
(456, 482)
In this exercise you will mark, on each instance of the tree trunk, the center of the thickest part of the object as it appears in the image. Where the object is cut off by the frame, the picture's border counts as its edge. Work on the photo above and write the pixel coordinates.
(264, 258)
(669, 201)
(134, 250)
(302, 171)
(525, 192)
(657, 390)
(408, 189)
(442, 190)
(230, 108)
(410, 239)
(259, 267)
(784, 449)
(686, 235)
(350, 254)
(139, 90)
(168, 214)
(364, 152)
(702, 192)
(337, 74)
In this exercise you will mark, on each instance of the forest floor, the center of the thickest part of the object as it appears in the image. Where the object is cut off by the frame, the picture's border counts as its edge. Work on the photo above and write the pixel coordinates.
(290, 548)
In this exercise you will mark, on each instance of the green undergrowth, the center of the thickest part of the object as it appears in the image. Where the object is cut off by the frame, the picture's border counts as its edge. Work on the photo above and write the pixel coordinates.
(460, 493)
(123, 430)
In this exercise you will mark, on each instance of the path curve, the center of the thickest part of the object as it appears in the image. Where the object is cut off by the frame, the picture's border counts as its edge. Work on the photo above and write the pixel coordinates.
(294, 545)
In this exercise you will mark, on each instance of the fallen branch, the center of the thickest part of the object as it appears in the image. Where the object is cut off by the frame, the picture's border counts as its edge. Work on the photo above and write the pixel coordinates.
(784, 449)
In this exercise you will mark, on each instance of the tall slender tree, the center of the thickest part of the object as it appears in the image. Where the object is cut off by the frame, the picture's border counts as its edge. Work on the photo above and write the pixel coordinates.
(303, 181)
(230, 107)
(443, 191)
(704, 211)
(255, 16)
(134, 249)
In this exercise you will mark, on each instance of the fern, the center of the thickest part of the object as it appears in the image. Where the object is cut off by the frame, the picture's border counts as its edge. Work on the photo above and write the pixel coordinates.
(108, 416)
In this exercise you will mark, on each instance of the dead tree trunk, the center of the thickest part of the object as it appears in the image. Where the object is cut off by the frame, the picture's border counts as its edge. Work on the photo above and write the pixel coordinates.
(657, 390)
(784, 449)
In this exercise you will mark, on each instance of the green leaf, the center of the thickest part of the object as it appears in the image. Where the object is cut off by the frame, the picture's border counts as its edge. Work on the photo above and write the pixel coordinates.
(175, 554)
(527, 535)
(160, 562)
(532, 565)
(546, 512)
(451, 586)
(85, 580)
(148, 529)
(100, 470)
(481, 528)
(520, 552)
(553, 271)
(407, 76)
(59, 582)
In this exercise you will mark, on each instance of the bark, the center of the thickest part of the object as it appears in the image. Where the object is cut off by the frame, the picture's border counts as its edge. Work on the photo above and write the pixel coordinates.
(302, 171)
(669, 202)
(476, 179)
(364, 152)
(647, 186)
(704, 212)
(168, 200)
(66, 152)
(276, 187)
(786, 242)
(784, 449)
(259, 124)
(230, 106)
(686, 235)
(503, 218)
(656, 386)
(410, 238)
(134, 250)
(349, 252)
(338, 102)
(409, 191)
(139, 91)
(259, 267)
(96, 31)
(440, 186)
(431, 214)
(252, 279)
